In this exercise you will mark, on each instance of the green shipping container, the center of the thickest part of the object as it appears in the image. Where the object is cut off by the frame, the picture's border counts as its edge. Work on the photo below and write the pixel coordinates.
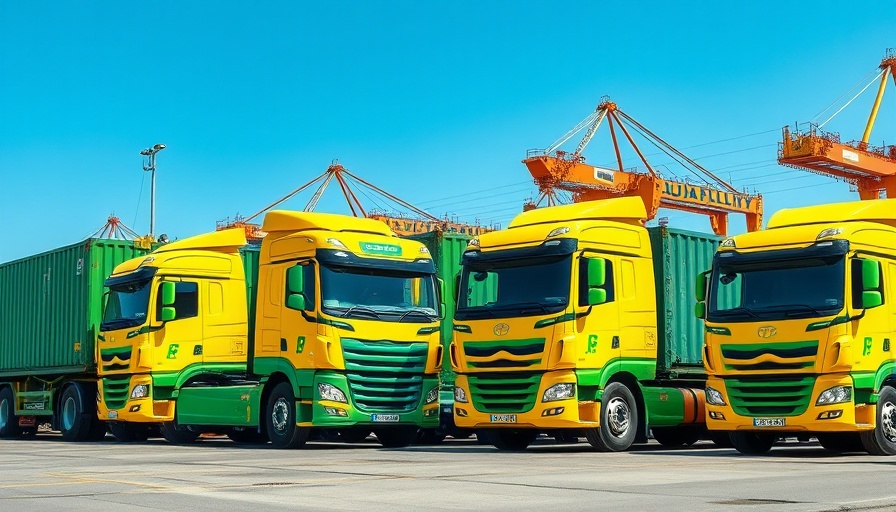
(678, 257)
(447, 250)
(51, 306)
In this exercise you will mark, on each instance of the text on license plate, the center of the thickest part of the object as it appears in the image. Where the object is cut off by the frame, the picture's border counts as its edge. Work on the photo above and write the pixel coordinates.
(503, 418)
(113, 415)
(387, 418)
(768, 422)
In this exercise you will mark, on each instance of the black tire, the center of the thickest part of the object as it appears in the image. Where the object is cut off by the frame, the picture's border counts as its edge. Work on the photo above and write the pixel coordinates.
(841, 442)
(882, 440)
(515, 440)
(9, 421)
(280, 418)
(675, 437)
(175, 433)
(752, 443)
(396, 437)
(247, 435)
(354, 435)
(76, 418)
(618, 420)
(482, 437)
(129, 432)
(720, 438)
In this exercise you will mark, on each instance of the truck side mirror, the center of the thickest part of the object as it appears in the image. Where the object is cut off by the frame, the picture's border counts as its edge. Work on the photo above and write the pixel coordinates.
(441, 298)
(456, 286)
(597, 279)
(700, 310)
(168, 297)
(871, 294)
(295, 288)
(700, 292)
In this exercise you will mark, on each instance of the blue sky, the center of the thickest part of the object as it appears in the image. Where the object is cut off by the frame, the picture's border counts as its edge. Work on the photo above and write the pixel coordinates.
(436, 102)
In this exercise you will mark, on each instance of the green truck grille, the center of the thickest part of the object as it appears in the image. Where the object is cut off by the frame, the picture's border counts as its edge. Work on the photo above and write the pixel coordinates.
(504, 392)
(384, 375)
(770, 396)
(501, 354)
(794, 355)
(116, 359)
(115, 391)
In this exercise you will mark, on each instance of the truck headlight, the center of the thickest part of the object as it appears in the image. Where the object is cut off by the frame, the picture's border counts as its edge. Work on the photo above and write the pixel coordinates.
(432, 396)
(331, 392)
(835, 395)
(559, 392)
(714, 397)
(140, 391)
(460, 395)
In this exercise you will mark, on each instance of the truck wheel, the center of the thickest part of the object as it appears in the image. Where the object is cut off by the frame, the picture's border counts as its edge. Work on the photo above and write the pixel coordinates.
(512, 440)
(281, 418)
(882, 440)
(9, 422)
(353, 435)
(74, 420)
(175, 433)
(247, 435)
(129, 432)
(841, 442)
(752, 443)
(674, 437)
(396, 437)
(618, 420)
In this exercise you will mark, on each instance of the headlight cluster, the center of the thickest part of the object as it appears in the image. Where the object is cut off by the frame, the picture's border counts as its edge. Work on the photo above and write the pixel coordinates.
(714, 397)
(835, 395)
(331, 392)
(460, 395)
(432, 396)
(140, 391)
(559, 392)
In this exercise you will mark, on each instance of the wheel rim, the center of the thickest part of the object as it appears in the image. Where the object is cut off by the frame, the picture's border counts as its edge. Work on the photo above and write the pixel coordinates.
(68, 413)
(4, 413)
(618, 415)
(280, 415)
(888, 421)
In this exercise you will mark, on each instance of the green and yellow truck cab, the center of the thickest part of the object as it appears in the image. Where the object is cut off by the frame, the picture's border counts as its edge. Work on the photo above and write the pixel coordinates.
(339, 330)
(799, 324)
(578, 318)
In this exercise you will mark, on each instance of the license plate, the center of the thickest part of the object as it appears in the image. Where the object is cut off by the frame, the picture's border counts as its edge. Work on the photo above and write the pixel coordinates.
(113, 415)
(503, 418)
(384, 418)
(768, 422)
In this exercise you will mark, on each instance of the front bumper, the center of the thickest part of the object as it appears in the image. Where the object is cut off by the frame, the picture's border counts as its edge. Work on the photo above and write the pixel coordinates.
(114, 402)
(842, 417)
(330, 414)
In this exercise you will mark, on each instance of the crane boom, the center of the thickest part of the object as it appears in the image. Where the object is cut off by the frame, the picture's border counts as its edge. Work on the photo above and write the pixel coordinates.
(559, 170)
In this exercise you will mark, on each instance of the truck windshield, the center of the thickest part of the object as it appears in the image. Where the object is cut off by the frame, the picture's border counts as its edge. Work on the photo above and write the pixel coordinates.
(778, 290)
(378, 294)
(127, 305)
(509, 288)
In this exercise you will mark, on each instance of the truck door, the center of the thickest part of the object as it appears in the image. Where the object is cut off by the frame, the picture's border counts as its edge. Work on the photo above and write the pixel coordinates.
(178, 343)
(298, 324)
(598, 332)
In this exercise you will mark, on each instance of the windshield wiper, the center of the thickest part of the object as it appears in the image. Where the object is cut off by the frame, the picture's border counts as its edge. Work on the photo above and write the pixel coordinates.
(523, 305)
(417, 312)
(736, 311)
(361, 309)
(805, 307)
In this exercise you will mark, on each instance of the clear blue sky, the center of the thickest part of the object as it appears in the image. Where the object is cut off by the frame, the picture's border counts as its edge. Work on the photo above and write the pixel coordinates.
(435, 101)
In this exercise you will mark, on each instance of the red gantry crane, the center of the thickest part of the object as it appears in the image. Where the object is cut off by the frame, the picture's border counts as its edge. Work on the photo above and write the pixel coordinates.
(555, 170)
(349, 183)
(871, 169)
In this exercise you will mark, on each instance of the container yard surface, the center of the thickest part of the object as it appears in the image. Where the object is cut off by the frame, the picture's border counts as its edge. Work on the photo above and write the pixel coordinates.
(220, 476)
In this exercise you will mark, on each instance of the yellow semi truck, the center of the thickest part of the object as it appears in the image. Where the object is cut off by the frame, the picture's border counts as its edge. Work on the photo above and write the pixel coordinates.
(577, 320)
(799, 324)
(332, 323)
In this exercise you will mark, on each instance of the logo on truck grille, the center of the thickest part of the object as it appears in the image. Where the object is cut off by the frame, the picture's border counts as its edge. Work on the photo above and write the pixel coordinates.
(501, 329)
(766, 331)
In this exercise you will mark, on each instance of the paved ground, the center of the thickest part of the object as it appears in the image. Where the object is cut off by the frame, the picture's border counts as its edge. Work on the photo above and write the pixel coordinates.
(219, 476)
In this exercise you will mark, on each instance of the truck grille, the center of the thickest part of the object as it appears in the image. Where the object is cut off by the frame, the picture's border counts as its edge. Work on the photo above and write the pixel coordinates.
(796, 355)
(504, 392)
(523, 354)
(115, 391)
(384, 375)
(770, 396)
(116, 359)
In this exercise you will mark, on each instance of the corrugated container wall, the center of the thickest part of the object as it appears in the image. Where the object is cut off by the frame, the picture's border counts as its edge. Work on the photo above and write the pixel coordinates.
(51, 305)
(678, 257)
(447, 250)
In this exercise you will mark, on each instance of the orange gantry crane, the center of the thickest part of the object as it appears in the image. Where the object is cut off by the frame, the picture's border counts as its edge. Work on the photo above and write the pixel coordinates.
(419, 222)
(871, 169)
(555, 170)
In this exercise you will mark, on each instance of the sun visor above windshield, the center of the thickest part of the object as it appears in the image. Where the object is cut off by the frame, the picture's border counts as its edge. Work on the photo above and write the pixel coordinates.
(629, 210)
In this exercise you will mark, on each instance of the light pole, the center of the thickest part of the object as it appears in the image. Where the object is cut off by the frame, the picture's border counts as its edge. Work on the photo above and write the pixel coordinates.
(150, 165)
